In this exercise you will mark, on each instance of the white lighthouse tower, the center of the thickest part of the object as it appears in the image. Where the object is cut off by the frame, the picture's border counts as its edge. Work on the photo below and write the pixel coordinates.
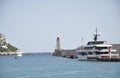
(57, 51)
(58, 44)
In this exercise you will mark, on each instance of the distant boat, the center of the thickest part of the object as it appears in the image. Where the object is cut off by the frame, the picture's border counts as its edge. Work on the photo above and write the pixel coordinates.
(18, 53)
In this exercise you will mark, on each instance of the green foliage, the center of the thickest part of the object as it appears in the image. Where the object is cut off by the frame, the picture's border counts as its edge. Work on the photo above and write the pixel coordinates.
(10, 48)
(3, 49)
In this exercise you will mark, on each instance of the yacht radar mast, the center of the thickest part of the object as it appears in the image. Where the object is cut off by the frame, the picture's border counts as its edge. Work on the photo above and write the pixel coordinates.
(96, 34)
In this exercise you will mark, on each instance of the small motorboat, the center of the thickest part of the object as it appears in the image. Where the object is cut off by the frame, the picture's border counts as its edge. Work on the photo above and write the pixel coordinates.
(18, 54)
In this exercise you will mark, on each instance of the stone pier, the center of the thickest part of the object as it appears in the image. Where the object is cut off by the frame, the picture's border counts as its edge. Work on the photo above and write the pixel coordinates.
(66, 53)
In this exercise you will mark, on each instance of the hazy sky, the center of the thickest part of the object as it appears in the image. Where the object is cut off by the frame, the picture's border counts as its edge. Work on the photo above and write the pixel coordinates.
(33, 25)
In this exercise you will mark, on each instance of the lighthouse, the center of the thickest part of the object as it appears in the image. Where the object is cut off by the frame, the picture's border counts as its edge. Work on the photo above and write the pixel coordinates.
(58, 43)
(57, 51)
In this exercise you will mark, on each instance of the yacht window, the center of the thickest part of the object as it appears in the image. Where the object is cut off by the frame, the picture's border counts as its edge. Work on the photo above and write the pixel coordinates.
(82, 53)
(100, 48)
(101, 42)
(97, 53)
(95, 42)
(90, 53)
(104, 53)
(79, 53)
(88, 43)
(88, 48)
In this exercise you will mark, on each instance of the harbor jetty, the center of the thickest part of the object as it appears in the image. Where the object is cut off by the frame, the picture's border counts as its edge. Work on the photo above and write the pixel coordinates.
(11, 53)
(67, 53)
(7, 53)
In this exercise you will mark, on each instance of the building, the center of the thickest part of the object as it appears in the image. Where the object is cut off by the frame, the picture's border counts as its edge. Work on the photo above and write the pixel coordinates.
(2, 41)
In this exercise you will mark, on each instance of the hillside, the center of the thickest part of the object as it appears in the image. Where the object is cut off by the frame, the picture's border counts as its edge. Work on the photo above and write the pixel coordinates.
(8, 49)
(4, 46)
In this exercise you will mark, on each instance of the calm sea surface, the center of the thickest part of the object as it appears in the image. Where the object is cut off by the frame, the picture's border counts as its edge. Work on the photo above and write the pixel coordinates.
(47, 66)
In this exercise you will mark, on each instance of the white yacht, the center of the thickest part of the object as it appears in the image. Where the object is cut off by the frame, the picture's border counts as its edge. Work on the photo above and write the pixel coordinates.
(97, 50)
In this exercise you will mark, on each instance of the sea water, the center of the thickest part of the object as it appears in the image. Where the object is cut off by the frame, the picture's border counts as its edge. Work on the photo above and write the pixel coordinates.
(47, 66)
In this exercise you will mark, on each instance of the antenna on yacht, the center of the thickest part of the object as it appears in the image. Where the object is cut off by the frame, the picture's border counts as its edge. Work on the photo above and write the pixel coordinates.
(82, 42)
(96, 34)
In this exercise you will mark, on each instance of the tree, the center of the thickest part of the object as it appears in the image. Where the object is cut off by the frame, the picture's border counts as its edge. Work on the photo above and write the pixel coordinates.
(3, 49)
(11, 47)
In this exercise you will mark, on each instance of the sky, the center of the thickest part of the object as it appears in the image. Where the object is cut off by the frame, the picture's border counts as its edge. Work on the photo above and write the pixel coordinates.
(34, 25)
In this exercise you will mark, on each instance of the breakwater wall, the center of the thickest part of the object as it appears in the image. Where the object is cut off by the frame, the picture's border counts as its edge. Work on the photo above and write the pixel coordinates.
(7, 53)
(67, 53)
(10, 53)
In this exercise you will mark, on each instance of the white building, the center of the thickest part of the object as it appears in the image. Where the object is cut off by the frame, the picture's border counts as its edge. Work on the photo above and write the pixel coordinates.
(3, 41)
